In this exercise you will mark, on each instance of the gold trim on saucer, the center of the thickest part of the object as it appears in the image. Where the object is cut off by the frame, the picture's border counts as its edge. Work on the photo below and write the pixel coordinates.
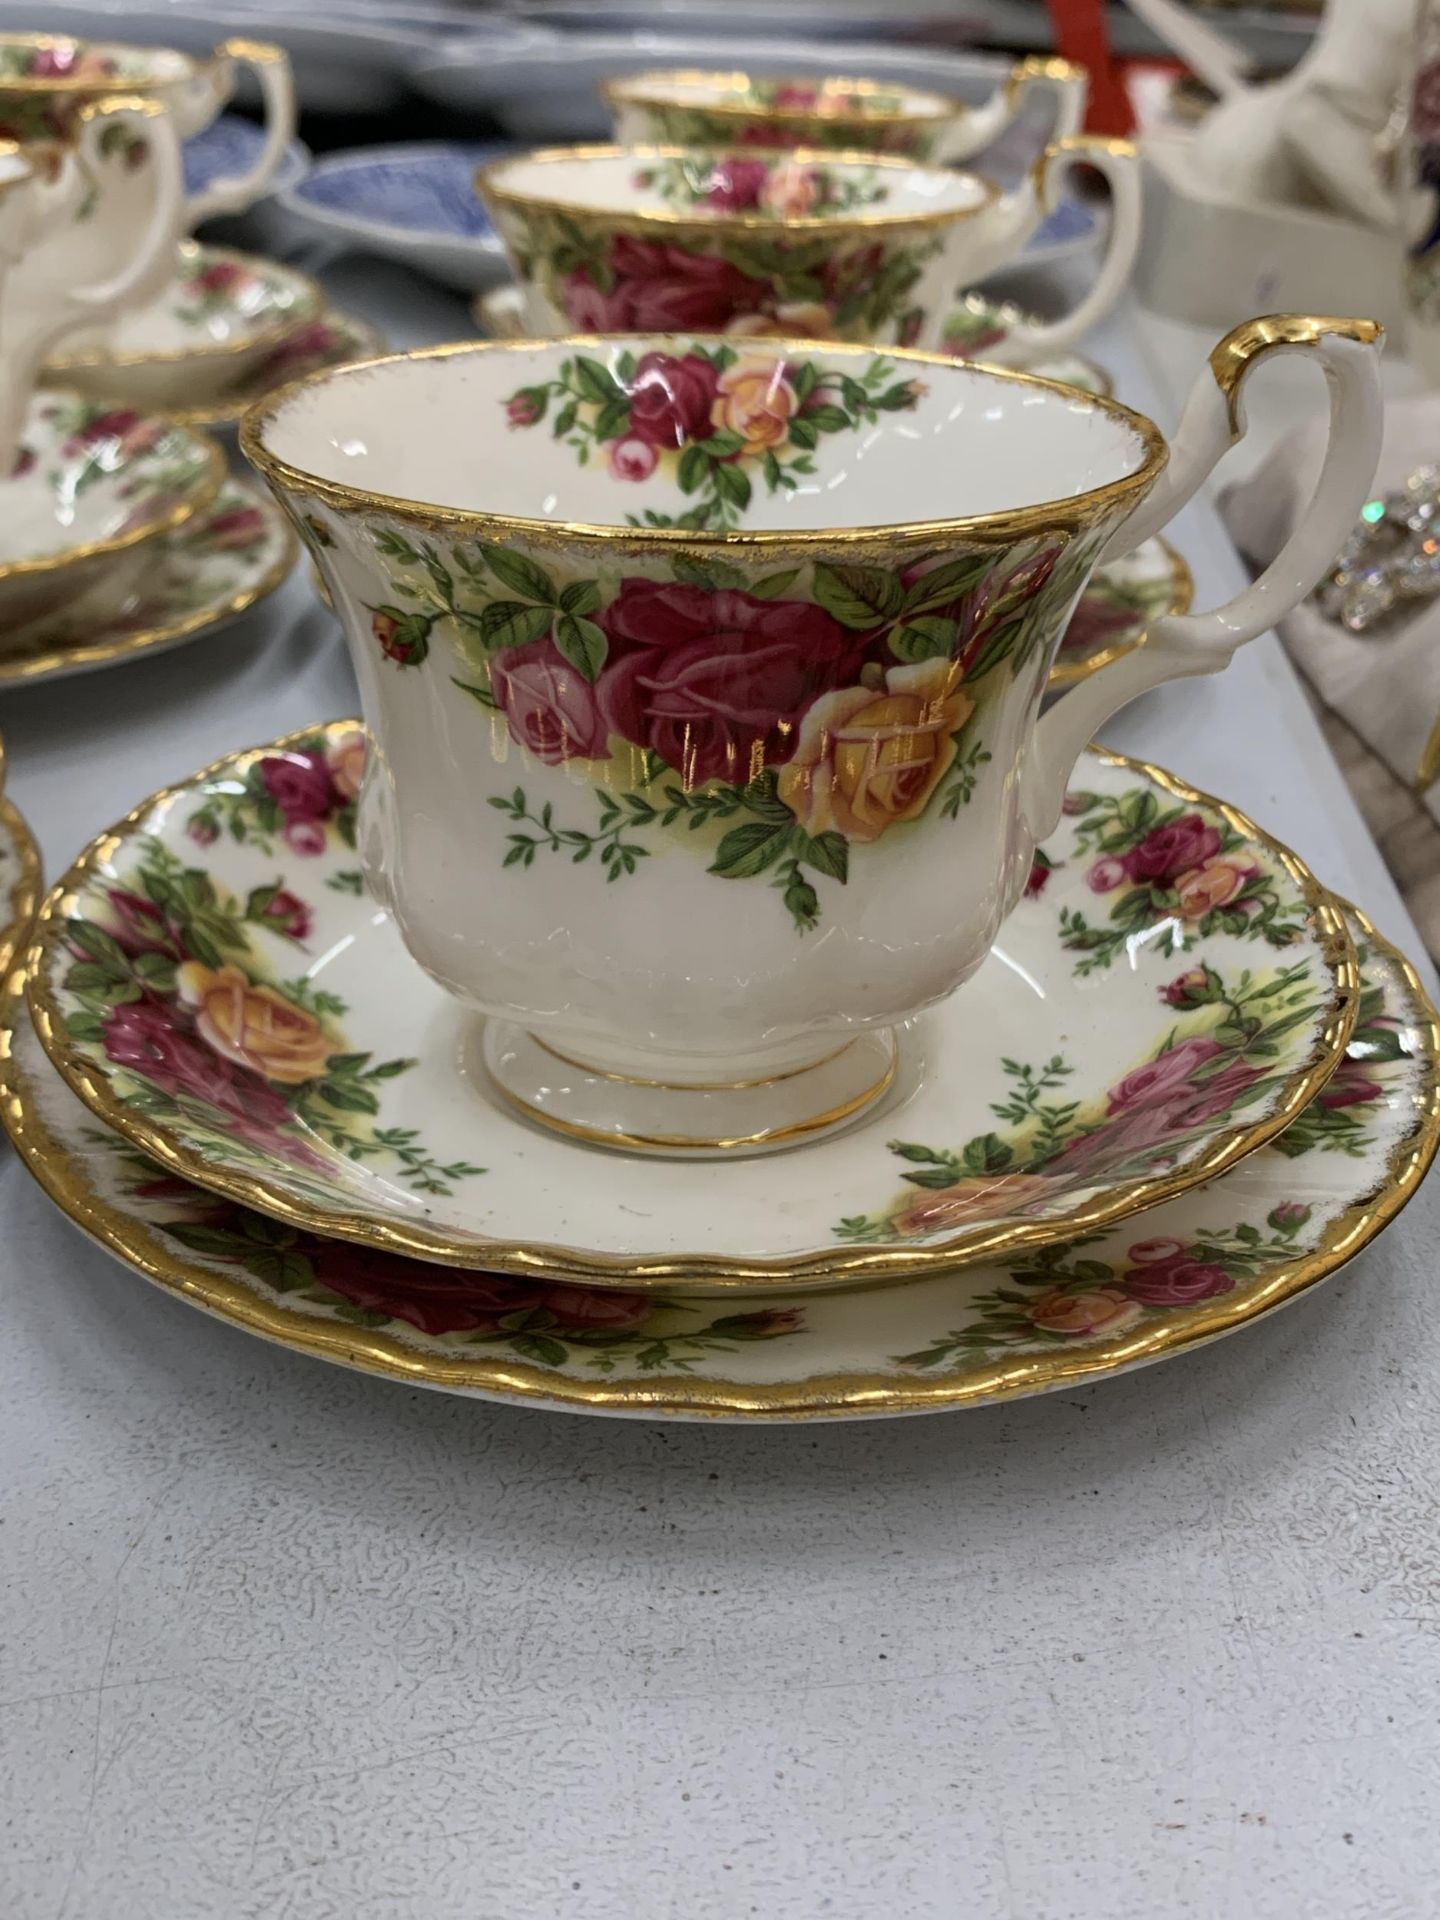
(630, 91)
(25, 894)
(687, 1086)
(63, 1176)
(1077, 512)
(1039, 66)
(96, 85)
(1064, 674)
(21, 669)
(229, 411)
(1232, 358)
(272, 332)
(697, 1272)
(642, 221)
(201, 495)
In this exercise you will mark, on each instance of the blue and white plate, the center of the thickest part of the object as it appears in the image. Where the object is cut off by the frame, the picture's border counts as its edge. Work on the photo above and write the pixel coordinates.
(414, 203)
(231, 145)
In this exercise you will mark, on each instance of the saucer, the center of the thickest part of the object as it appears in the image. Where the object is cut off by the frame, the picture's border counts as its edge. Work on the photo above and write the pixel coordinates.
(214, 982)
(331, 339)
(229, 148)
(91, 485)
(20, 883)
(976, 326)
(1122, 598)
(1189, 1271)
(414, 203)
(195, 581)
(214, 325)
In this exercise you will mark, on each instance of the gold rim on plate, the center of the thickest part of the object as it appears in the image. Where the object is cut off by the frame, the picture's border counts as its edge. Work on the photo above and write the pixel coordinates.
(822, 1396)
(60, 661)
(24, 899)
(1069, 674)
(1071, 514)
(826, 1268)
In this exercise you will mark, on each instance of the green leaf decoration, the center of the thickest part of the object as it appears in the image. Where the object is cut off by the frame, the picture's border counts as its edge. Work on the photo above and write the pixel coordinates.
(802, 434)
(732, 484)
(581, 596)
(483, 694)
(896, 399)
(858, 597)
(597, 384)
(927, 637)
(987, 1154)
(539, 1346)
(583, 644)
(828, 419)
(612, 420)
(748, 850)
(519, 573)
(774, 584)
(948, 582)
(828, 853)
(509, 623)
(762, 798)
(85, 1026)
(803, 379)
(694, 468)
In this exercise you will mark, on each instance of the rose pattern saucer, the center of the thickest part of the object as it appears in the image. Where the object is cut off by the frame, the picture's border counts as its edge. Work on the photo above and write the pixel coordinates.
(20, 883)
(1122, 598)
(1196, 1267)
(332, 339)
(215, 983)
(195, 580)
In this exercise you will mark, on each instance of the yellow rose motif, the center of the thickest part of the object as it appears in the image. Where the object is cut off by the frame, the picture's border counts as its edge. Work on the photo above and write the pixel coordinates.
(254, 1026)
(794, 319)
(346, 761)
(791, 191)
(1101, 1310)
(981, 1196)
(869, 756)
(756, 401)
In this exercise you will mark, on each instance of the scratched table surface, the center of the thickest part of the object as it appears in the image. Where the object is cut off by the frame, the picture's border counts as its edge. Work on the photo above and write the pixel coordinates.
(282, 1642)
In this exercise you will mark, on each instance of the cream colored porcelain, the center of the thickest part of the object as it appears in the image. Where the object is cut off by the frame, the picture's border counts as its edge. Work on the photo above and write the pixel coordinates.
(804, 243)
(85, 217)
(46, 78)
(705, 675)
(687, 108)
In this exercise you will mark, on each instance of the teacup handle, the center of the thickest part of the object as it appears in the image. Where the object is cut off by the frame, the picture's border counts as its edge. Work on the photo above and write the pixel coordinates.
(271, 67)
(1180, 645)
(1069, 84)
(1118, 161)
(85, 305)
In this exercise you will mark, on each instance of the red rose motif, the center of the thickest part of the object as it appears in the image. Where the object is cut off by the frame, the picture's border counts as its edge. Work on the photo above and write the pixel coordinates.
(736, 185)
(440, 1300)
(1167, 852)
(522, 409)
(549, 707)
(1349, 1086)
(1040, 870)
(579, 1309)
(1425, 103)
(218, 277)
(138, 925)
(660, 289)
(1176, 1283)
(24, 461)
(1147, 1252)
(632, 459)
(793, 95)
(1094, 624)
(716, 683)
(300, 785)
(1106, 875)
(1289, 1216)
(202, 831)
(287, 913)
(131, 431)
(241, 527)
(1158, 1081)
(144, 1038)
(671, 397)
(305, 837)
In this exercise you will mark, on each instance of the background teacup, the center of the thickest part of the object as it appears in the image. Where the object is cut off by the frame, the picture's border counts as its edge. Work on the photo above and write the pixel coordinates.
(705, 712)
(45, 79)
(66, 264)
(814, 245)
(682, 108)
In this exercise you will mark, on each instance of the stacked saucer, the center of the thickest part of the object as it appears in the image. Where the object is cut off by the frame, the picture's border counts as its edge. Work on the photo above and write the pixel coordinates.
(285, 1139)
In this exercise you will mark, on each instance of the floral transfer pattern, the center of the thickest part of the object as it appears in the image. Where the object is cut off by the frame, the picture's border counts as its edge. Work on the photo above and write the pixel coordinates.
(821, 286)
(786, 189)
(168, 985)
(794, 115)
(80, 72)
(1224, 1053)
(79, 444)
(774, 726)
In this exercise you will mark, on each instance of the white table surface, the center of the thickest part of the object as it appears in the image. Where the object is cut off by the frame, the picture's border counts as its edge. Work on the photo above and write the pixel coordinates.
(281, 1642)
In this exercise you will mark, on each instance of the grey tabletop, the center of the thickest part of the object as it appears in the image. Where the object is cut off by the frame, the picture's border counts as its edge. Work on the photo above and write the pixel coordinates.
(285, 1643)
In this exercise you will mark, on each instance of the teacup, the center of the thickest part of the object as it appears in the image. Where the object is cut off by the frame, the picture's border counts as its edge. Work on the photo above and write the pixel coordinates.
(801, 243)
(704, 681)
(63, 266)
(46, 78)
(687, 109)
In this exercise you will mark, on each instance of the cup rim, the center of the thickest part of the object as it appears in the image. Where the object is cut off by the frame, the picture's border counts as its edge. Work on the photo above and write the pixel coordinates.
(648, 219)
(629, 89)
(91, 83)
(1072, 513)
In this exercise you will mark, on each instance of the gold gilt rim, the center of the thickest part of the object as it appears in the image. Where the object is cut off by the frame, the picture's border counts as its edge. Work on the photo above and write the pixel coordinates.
(25, 894)
(697, 1272)
(1078, 511)
(1182, 599)
(231, 410)
(271, 332)
(634, 90)
(649, 220)
(59, 662)
(62, 1175)
(207, 485)
(93, 86)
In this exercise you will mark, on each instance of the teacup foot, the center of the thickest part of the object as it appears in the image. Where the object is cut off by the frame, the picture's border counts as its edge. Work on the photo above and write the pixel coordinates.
(688, 1120)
